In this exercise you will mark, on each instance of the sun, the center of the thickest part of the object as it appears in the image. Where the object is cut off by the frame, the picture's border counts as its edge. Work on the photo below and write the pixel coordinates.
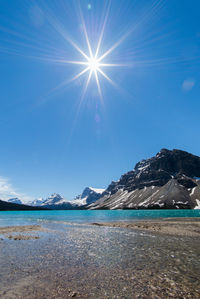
(93, 64)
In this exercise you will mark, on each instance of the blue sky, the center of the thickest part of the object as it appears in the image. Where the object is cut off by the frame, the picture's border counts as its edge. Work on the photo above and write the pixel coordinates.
(53, 139)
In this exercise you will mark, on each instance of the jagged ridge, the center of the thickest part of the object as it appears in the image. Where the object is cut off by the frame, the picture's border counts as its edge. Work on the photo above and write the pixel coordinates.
(168, 180)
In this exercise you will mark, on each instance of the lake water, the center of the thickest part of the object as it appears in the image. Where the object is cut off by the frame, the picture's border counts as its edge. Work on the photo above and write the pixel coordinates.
(97, 261)
(86, 216)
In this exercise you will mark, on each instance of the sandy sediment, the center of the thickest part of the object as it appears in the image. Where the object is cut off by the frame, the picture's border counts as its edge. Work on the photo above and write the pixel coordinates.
(174, 226)
(20, 229)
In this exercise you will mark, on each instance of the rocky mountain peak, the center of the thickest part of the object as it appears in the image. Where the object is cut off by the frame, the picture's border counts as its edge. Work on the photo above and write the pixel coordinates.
(171, 174)
(91, 191)
(86, 192)
(177, 161)
(56, 195)
(158, 170)
(54, 199)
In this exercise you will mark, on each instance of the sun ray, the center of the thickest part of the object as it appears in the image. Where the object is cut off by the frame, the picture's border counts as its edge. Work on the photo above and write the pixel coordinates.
(111, 49)
(88, 80)
(80, 74)
(102, 31)
(144, 17)
(85, 32)
(114, 64)
(86, 85)
(77, 48)
(68, 61)
(63, 33)
(98, 84)
(106, 76)
(69, 80)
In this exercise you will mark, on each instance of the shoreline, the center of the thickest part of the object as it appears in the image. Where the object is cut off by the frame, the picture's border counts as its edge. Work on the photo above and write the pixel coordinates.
(188, 227)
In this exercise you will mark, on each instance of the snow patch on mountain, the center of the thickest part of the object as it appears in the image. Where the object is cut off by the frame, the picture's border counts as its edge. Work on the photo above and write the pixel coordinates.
(198, 204)
(54, 199)
(100, 191)
(168, 180)
(36, 203)
(15, 200)
(89, 195)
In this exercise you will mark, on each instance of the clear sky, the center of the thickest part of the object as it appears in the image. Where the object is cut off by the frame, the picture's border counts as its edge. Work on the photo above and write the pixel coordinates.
(56, 136)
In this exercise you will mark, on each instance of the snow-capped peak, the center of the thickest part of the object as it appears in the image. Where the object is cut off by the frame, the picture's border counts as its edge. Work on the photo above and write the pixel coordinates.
(15, 200)
(36, 202)
(54, 199)
(100, 191)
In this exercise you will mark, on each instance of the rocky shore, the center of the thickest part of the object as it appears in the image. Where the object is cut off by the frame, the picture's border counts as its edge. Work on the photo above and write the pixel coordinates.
(175, 226)
(140, 259)
(12, 232)
(188, 227)
(20, 228)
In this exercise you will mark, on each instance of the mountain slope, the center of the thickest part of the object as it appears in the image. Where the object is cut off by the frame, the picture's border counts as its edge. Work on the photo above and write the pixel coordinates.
(7, 206)
(15, 200)
(170, 180)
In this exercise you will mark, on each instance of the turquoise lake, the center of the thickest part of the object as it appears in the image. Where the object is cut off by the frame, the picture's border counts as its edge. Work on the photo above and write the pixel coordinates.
(78, 216)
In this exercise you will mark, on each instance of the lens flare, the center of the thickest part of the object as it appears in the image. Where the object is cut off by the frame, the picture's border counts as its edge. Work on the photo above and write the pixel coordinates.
(92, 61)
(93, 64)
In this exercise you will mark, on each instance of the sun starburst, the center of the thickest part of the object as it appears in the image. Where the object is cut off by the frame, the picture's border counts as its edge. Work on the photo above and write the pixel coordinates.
(93, 65)
(92, 61)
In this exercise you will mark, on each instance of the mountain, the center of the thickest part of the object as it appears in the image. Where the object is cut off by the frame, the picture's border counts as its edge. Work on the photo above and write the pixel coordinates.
(88, 196)
(8, 206)
(36, 203)
(170, 180)
(57, 202)
(54, 199)
(15, 200)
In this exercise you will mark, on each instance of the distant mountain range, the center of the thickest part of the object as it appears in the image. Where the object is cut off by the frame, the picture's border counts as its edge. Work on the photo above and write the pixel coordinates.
(170, 180)
(57, 202)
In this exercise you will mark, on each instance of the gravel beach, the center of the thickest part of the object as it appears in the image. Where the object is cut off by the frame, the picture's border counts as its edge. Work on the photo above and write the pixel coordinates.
(142, 259)
(174, 226)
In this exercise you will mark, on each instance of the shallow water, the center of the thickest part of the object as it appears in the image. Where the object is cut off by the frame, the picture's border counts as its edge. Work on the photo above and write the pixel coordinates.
(99, 262)
(88, 216)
